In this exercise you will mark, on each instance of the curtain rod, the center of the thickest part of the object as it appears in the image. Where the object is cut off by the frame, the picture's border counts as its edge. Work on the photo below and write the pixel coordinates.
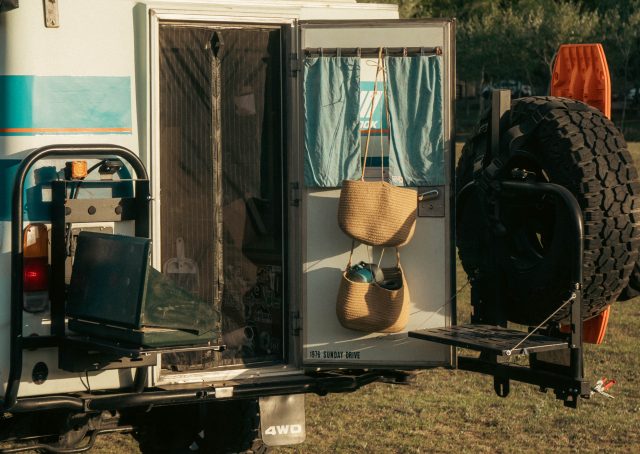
(371, 51)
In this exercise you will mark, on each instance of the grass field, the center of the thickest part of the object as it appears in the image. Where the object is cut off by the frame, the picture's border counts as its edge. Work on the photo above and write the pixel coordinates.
(455, 411)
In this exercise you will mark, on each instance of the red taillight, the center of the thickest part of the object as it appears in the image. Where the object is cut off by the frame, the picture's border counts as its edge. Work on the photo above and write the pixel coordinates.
(35, 274)
(35, 244)
(35, 268)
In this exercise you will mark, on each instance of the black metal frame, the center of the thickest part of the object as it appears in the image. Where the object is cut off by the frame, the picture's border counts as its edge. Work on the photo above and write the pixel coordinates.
(566, 376)
(16, 341)
(65, 211)
(321, 384)
(556, 359)
(371, 51)
(567, 380)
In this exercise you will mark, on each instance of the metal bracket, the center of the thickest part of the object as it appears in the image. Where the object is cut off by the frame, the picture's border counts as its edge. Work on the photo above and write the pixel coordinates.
(296, 323)
(51, 17)
(500, 105)
(294, 194)
(296, 64)
(103, 210)
(431, 201)
(501, 386)
(83, 357)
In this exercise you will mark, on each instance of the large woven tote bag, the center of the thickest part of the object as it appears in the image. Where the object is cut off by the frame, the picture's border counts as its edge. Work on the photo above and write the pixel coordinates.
(371, 308)
(375, 212)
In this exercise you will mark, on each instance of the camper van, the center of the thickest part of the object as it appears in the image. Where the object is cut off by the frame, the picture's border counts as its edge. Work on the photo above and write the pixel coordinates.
(211, 208)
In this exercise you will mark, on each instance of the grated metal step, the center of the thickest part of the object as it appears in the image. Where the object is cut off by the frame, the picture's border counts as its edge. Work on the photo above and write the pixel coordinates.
(490, 339)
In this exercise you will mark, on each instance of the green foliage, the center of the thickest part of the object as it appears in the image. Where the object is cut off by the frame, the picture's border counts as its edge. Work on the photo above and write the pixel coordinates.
(406, 8)
(503, 36)
(621, 35)
(518, 39)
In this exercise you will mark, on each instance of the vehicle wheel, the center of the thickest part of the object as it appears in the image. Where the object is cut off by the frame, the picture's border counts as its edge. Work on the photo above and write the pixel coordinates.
(217, 428)
(233, 427)
(633, 288)
(171, 429)
(577, 147)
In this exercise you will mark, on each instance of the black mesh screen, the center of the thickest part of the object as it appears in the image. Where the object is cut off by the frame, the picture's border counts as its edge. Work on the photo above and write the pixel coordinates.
(186, 161)
(221, 179)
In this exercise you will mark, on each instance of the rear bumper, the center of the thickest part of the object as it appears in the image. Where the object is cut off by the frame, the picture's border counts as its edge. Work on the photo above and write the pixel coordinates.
(317, 383)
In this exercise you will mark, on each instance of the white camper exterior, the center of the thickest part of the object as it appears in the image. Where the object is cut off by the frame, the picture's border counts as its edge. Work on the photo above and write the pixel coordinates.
(89, 72)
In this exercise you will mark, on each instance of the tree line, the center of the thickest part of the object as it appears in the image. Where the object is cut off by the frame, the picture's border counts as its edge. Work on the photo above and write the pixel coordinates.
(518, 39)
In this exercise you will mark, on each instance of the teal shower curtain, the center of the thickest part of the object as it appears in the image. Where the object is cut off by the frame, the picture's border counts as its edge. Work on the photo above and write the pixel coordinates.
(416, 111)
(332, 129)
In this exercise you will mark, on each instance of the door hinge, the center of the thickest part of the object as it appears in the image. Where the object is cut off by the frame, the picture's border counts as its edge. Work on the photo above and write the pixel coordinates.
(294, 194)
(295, 64)
(295, 323)
(51, 18)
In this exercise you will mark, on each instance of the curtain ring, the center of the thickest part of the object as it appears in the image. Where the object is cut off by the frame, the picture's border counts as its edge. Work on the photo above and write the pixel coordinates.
(405, 52)
(359, 52)
(338, 52)
(321, 51)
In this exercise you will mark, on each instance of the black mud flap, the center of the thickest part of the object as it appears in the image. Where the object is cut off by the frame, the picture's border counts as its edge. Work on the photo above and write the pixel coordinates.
(282, 420)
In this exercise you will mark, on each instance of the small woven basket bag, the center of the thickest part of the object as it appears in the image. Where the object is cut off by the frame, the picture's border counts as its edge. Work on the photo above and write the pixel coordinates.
(371, 308)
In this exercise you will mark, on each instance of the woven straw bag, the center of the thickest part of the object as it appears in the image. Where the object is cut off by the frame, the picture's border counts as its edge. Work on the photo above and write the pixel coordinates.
(371, 308)
(375, 212)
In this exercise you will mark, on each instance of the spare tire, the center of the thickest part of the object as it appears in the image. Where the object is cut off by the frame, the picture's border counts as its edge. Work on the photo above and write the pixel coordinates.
(574, 146)
(633, 288)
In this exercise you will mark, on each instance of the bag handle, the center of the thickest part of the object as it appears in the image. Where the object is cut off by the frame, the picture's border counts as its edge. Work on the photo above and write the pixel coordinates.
(385, 100)
(353, 246)
(379, 68)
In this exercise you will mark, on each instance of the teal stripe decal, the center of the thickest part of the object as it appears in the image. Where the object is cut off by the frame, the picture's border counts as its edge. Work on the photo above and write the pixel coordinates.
(32, 105)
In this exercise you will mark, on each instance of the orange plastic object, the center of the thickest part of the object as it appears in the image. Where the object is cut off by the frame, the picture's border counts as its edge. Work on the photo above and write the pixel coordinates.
(581, 72)
(594, 329)
(35, 241)
(78, 170)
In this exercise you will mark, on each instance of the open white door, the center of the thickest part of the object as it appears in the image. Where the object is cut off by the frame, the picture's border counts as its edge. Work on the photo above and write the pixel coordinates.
(429, 259)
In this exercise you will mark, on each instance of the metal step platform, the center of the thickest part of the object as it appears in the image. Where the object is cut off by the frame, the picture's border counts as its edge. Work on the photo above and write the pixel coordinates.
(490, 339)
